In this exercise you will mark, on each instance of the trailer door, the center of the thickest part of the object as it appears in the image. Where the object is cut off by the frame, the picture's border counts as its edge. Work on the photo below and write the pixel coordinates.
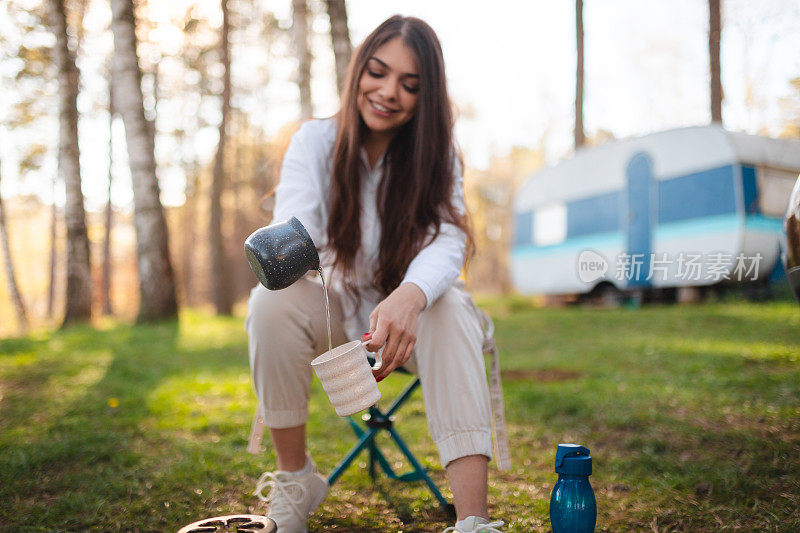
(639, 176)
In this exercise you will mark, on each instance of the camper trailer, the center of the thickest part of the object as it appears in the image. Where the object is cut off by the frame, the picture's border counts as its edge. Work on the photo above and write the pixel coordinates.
(682, 208)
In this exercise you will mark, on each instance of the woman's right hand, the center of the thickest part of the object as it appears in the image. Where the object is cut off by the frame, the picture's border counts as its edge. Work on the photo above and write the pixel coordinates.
(393, 326)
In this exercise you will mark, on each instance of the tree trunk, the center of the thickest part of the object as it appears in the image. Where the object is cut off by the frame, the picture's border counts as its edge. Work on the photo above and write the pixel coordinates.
(51, 288)
(13, 288)
(714, 35)
(340, 39)
(236, 180)
(106, 282)
(188, 222)
(156, 278)
(303, 54)
(151, 122)
(220, 272)
(580, 137)
(79, 279)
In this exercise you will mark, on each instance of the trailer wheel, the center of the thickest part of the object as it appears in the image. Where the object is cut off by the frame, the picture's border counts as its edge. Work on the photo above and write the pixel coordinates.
(606, 294)
(759, 291)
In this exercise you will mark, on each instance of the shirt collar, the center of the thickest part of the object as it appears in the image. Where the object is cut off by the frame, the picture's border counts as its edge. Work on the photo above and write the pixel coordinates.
(378, 166)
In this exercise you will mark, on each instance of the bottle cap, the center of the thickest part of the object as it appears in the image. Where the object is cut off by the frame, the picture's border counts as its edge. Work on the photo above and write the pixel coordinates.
(573, 459)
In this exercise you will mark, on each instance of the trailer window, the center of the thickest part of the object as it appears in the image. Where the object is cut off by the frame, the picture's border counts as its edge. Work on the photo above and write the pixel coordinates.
(550, 224)
(775, 187)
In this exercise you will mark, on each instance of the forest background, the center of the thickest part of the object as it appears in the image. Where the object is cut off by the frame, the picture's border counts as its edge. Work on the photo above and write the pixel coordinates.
(223, 85)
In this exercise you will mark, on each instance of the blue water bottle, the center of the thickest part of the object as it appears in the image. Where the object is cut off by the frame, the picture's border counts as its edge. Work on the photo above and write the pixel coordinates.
(573, 508)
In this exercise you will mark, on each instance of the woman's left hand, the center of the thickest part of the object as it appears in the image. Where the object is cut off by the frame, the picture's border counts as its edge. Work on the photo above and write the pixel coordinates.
(393, 325)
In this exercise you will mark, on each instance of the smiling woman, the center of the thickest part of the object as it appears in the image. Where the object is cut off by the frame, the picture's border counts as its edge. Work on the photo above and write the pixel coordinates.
(396, 107)
(379, 189)
(387, 94)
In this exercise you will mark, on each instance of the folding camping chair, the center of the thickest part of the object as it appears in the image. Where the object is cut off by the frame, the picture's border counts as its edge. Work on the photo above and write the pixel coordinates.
(376, 420)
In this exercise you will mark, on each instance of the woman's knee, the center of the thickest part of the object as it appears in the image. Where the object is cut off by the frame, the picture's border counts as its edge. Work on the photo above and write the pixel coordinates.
(276, 324)
(452, 312)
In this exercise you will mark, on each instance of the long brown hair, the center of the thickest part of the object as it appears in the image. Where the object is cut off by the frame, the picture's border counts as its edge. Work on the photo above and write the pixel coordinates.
(414, 195)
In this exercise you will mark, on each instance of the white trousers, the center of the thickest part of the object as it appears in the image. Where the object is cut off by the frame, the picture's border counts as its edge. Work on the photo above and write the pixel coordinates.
(287, 329)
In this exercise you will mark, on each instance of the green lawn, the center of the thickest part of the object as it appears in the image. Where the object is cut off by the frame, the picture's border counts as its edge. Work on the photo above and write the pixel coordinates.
(692, 414)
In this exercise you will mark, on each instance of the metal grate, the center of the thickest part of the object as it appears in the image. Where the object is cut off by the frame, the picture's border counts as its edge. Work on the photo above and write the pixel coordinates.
(239, 523)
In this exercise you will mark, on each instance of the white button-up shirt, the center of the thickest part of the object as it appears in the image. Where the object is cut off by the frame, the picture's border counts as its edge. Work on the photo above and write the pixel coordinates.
(302, 192)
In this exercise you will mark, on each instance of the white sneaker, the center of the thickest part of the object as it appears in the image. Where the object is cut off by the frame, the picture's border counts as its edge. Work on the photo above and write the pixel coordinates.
(475, 524)
(292, 498)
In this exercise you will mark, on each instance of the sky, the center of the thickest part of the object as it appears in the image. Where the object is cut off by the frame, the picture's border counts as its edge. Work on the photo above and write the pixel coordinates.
(646, 65)
(511, 74)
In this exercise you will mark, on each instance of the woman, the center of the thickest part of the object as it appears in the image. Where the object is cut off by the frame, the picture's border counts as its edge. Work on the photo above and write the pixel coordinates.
(379, 189)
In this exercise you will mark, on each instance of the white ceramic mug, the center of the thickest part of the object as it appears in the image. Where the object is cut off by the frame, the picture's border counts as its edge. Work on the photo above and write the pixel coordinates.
(347, 378)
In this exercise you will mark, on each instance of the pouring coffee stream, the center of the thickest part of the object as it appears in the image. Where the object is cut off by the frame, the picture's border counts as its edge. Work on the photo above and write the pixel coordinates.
(327, 306)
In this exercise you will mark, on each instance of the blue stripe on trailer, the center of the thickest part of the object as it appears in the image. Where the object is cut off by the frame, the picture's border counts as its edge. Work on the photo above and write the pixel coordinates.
(750, 190)
(690, 228)
(763, 224)
(612, 239)
(702, 194)
(698, 204)
(598, 214)
(698, 226)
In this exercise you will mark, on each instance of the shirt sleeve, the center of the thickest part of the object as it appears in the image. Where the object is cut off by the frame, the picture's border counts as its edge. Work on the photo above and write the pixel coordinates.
(439, 263)
(300, 189)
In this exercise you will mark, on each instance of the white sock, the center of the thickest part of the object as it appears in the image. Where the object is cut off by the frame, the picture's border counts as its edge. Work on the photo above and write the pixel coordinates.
(471, 521)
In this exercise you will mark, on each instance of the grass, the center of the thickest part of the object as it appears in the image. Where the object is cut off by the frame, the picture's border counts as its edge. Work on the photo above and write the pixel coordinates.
(692, 414)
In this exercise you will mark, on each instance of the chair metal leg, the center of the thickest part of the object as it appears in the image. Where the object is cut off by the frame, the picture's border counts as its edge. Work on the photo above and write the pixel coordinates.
(364, 440)
(372, 449)
(376, 420)
(419, 471)
(400, 400)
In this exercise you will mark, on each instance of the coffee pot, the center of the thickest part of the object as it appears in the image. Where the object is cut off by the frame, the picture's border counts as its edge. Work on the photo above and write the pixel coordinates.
(281, 253)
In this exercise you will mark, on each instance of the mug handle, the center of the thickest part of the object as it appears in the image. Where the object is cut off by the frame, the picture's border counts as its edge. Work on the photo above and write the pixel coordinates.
(376, 355)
